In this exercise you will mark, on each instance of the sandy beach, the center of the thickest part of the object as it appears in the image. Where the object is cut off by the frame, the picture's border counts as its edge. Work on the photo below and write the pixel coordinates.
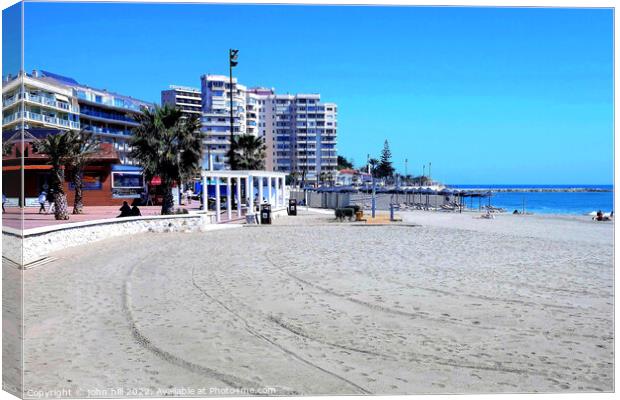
(440, 303)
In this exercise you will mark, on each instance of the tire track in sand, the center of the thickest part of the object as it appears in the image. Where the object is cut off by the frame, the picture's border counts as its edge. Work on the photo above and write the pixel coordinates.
(394, 311)
(435, 359)
(145, 342)
(298, 331)
(258, 335)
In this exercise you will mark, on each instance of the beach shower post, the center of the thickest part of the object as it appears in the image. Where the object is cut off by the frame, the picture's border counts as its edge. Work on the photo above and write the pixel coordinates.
(373, 201)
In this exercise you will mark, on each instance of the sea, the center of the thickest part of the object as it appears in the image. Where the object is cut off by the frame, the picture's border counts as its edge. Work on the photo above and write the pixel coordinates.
(576, 203)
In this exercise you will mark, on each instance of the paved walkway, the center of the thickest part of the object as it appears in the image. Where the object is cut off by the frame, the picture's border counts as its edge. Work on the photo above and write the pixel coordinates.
(32, 219)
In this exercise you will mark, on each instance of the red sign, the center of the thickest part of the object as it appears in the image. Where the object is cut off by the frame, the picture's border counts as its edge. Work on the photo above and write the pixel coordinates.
(156, 181)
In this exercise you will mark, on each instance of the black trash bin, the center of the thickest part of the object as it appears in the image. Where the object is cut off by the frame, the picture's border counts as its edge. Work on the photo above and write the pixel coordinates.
(265, 214)
(292, 207)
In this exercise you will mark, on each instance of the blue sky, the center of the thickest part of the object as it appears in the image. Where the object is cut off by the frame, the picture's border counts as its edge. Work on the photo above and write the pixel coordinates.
(488, 95)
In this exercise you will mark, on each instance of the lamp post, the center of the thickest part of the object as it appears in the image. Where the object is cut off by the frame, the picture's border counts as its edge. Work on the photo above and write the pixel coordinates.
(406, 161)
(429, 172)
(232, 62)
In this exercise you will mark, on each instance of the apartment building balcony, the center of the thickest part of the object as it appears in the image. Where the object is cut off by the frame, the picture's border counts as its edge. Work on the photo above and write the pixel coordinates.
(40, 100)
(186, 103)
(46, 120)
(222, 154)
(113, 120)
(108, 131)
(306, 164)
(134, 106)
(107, 117)
(215, 111)
(195, 96)
(9, 101)
(216, 142)
(225, 123)
(300, 133)
(237, 97)
(197, 112)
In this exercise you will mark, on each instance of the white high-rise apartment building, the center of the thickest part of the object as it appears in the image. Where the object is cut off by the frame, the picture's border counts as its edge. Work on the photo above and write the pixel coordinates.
(187, 99)
(299, 131)
(216, 118)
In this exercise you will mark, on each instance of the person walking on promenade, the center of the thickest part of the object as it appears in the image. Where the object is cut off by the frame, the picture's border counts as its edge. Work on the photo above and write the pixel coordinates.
(42, 199)
(3, 202)
(188, 196)
(50, 200)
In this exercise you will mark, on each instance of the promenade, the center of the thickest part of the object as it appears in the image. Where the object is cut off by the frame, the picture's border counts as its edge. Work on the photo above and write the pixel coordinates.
(32, 219)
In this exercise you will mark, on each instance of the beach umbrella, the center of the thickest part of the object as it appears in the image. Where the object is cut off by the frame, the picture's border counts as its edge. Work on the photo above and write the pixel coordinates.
(418, 191)
(426, 192)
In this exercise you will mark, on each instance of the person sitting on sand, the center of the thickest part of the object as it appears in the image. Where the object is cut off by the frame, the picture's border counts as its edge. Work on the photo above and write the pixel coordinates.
(125, 210)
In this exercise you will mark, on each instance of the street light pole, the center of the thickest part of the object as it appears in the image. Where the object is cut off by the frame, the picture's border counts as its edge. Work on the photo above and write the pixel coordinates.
(232, 62)
(429, 171)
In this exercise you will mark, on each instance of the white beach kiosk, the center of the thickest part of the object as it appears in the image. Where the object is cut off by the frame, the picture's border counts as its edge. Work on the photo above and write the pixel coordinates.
(271, 189)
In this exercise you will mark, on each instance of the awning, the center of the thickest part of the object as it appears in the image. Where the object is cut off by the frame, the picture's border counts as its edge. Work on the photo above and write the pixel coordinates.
(126, 168)
(62, 98)
(27, 167)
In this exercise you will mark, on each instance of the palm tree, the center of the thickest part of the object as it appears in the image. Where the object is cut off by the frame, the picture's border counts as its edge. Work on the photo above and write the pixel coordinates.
(7, 148)
(168, 145)
(58, 148)
(246, 152)
(322, 177)
(330, 177)
(249, 152)
(83, 147)
(293, 177)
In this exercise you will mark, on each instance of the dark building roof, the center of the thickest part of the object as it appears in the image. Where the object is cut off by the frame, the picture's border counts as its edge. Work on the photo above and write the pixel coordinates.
(63, 79)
